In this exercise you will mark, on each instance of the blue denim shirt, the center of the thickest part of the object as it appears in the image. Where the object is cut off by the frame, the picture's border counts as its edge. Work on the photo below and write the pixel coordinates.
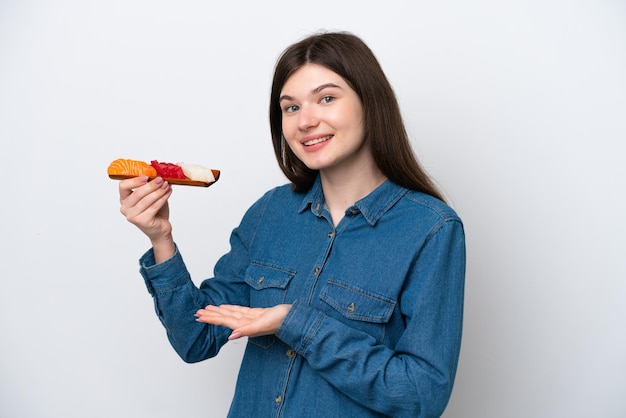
(375, 323)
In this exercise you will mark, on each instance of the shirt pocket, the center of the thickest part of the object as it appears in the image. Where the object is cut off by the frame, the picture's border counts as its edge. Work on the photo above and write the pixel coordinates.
(361, 309)
(268, 284)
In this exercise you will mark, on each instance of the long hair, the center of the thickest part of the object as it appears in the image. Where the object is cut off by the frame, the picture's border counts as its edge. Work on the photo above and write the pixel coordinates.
(349, 57)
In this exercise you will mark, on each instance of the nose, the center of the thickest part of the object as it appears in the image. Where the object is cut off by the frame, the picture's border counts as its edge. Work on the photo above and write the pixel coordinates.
(307, 118)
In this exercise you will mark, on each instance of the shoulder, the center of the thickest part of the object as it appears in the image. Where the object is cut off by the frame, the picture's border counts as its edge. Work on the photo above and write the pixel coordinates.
(282, 195)
(428, 205)
(429, 217)
(425, 215)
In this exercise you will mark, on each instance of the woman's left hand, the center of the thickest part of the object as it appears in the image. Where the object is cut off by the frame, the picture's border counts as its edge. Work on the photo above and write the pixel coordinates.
(244, 321)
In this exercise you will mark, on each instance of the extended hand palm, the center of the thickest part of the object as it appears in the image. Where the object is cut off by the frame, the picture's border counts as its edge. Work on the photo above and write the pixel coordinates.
(244, 321)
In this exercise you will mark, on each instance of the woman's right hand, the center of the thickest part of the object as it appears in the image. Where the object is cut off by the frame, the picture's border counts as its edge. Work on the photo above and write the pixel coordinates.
(144, 204)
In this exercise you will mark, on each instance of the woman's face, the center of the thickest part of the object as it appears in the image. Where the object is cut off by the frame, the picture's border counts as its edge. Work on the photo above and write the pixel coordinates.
(322, 120)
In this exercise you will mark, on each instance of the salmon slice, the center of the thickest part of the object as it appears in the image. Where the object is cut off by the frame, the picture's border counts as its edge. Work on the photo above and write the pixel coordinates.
(131, 168)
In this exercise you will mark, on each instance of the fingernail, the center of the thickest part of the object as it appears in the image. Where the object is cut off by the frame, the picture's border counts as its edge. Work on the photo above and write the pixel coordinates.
(234, 336)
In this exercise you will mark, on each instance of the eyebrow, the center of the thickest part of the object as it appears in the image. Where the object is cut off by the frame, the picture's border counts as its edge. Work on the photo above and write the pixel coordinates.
(316, 90)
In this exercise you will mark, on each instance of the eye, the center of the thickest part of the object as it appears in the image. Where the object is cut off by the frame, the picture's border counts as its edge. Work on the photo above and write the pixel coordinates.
(290, 109)
(327, 99)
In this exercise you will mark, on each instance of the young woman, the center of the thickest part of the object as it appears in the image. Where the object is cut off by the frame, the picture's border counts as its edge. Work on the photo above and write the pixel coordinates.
(349, 281)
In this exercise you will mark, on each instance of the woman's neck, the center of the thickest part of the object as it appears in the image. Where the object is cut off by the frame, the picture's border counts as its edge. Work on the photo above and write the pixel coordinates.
(342, 190)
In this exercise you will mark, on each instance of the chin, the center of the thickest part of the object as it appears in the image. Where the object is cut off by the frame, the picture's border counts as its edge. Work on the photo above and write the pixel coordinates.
(315, 166)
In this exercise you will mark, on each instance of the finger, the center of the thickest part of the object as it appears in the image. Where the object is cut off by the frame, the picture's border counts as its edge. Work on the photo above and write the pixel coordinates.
(136, 188)
(248, 330)
(127, 186)
(231, 310)
(209, 311)
(149, 198)
(211, 308)
(231, 319)
(235, 335)
(211, 319)
(159, 203)
(215, 319)
(235, 318)
(238, 310)
(204, 315)
(145, 212)
(214, 314)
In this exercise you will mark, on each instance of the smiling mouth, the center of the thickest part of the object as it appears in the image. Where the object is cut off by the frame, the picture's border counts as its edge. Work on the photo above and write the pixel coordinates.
(317, 141)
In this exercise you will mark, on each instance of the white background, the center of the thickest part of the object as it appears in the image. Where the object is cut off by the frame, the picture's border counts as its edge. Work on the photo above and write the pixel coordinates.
(517, 108)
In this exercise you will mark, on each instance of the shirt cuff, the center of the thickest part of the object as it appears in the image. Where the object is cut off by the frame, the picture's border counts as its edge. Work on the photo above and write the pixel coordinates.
(299, 326)
(165, 276)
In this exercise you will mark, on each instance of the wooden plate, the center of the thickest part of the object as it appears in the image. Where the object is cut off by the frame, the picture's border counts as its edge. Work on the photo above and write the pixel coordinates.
(182, 182)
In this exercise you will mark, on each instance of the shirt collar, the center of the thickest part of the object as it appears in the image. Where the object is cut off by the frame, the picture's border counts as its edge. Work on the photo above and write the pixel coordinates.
(372, 206)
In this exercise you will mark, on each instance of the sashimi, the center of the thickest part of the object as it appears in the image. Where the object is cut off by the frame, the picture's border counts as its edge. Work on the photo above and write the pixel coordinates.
(197, 172)
(168, 170)
(134, 168)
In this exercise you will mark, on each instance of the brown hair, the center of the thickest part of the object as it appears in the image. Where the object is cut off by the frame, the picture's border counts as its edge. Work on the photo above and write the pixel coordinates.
(349, 57)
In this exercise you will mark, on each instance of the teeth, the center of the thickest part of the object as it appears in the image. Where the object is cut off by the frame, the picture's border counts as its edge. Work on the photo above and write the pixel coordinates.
(317, 141)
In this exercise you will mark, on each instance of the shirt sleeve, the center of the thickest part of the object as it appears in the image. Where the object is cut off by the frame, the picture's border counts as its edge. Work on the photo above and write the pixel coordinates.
(414, 378)
(177, 298)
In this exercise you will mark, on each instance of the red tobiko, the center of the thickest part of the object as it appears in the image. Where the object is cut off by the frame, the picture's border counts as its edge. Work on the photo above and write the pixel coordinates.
(168, 170)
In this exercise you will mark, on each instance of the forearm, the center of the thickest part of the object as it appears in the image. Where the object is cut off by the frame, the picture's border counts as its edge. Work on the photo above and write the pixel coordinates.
(176, 299)
(192, 340)
(163, 248)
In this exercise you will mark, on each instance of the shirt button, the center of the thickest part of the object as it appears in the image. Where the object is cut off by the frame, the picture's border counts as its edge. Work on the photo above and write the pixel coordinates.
(331, 234)
(261, 279)
(278, 399)
(354, 211)
(317, 271)
(351, 307)
(291, 353)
